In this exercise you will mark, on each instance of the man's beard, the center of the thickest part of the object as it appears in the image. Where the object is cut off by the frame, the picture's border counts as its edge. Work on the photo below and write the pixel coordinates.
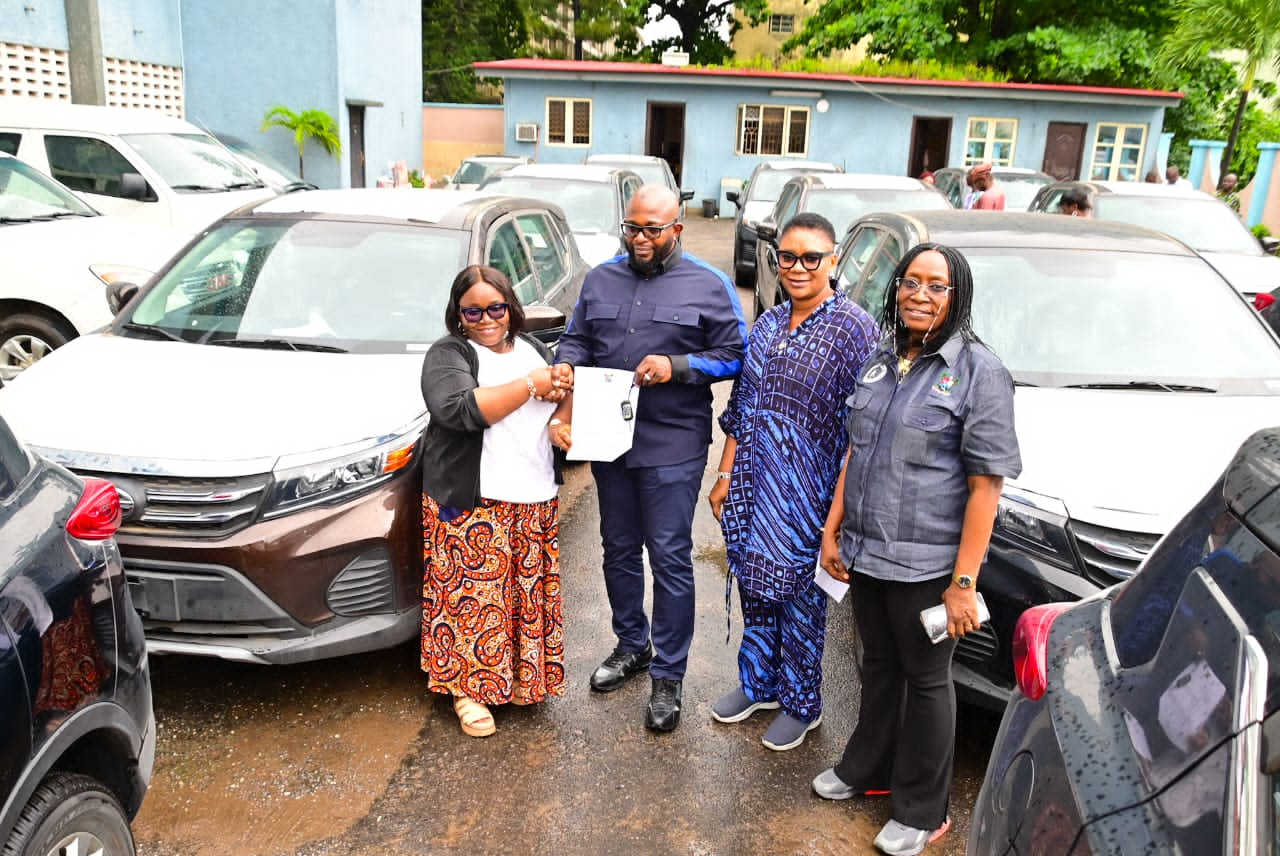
(644, 267)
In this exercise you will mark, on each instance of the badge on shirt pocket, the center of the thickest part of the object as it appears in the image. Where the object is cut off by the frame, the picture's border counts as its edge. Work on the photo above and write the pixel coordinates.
(946, 381)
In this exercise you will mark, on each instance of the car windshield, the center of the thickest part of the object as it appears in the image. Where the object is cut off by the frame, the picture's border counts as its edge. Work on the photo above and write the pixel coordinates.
(1065, 318)
(261, 162)
(649, 172)
(1020, 190)
(1203, 224)
(842, 207)
(767, 185)
(474, 172)
(588, 205)
(27, 194)
(192, 163)
(358, 286)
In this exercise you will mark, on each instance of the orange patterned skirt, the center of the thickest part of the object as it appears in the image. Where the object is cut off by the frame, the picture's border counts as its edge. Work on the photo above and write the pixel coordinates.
(492, 626)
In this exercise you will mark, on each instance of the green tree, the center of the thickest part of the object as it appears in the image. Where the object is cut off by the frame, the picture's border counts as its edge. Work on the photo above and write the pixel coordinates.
(456, 33)
(700, 23)
(308, 125)
(598, 21)
(1249, 26)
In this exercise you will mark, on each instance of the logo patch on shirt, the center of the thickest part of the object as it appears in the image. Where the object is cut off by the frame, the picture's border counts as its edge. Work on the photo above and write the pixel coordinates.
(946, 381)
(875, 373)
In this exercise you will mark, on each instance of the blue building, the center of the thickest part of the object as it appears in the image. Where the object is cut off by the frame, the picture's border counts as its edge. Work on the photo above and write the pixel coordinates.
(714, 124)
(223, 64)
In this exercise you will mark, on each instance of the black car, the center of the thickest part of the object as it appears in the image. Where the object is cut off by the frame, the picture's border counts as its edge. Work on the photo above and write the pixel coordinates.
(77, 733)
(1125, 405)
(1146, 716)
(755, 201)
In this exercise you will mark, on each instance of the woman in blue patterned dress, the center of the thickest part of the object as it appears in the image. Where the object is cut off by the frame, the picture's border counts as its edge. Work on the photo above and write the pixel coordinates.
(785, 438)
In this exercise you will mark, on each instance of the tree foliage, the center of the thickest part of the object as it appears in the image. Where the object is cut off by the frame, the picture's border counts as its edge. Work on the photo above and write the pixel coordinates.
(456, 33)
(306, 125)
(700, 23)
(598, 21)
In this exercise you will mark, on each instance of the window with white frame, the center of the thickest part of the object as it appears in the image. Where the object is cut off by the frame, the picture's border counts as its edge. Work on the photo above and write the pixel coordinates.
(765, 129)
(782, 24)
(1117, 152)
(569, 121)
(990, 140)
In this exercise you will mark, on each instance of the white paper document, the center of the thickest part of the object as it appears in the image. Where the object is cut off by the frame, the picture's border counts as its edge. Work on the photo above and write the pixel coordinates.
(605, 404)
(830, 584)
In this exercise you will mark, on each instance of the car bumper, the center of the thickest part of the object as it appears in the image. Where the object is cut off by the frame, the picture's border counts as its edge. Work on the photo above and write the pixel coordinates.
(322, 582)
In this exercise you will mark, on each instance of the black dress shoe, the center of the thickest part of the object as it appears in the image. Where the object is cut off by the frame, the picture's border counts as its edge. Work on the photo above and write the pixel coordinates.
(619, 666)
(663, 712)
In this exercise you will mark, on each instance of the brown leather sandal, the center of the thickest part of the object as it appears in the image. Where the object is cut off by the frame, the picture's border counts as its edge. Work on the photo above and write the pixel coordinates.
(474, 717)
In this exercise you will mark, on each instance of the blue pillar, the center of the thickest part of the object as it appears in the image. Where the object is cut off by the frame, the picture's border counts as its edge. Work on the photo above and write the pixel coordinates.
(1201, 151)
(1162, 153)
(1261, 182)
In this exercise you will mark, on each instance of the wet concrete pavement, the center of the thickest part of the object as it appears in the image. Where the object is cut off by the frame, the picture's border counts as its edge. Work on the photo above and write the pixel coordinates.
(355, 756)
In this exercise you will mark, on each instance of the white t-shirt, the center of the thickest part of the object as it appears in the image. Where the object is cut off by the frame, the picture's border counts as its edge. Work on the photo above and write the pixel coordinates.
(516, 463)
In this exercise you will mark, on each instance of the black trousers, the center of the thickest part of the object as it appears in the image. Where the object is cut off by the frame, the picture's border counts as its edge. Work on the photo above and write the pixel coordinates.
(905, 738)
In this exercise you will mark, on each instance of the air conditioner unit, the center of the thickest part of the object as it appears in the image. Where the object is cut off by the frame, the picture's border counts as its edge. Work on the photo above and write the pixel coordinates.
(526, 132)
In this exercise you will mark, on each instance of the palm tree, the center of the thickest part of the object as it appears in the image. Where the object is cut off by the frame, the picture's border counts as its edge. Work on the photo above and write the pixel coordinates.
(1249, 26)
(309, 124)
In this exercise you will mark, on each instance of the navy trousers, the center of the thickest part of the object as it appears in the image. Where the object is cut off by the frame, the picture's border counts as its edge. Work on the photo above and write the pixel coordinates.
(650, 508)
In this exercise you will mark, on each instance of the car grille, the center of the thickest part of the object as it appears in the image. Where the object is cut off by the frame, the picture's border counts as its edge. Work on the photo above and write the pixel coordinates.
(1114, 553)
(365, 587)
(203, 508)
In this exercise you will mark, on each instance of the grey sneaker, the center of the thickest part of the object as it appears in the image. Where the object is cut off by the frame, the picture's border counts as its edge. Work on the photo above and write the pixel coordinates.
(829, 786)
(735, 706)
(787, 732)
(898, 839)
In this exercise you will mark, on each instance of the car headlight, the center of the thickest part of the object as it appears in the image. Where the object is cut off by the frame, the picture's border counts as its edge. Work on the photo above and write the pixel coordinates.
(302, 481)
(121, 273)
(1035, 523)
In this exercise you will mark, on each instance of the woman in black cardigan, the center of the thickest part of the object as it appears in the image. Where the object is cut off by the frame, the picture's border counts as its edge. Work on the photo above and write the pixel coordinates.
(492, 628)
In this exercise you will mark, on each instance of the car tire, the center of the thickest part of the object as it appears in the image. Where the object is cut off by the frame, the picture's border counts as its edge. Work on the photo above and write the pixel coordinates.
(25, 337)
(67, 809)
(744, 279)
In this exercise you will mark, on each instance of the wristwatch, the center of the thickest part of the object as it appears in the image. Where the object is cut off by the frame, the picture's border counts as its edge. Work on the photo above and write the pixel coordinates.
(723, 476)
(963, 581)
(554, 422)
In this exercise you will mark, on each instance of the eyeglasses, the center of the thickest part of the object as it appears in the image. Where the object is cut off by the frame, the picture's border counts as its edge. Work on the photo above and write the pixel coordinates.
(911, 286)
(650, 232)
(810, 261)
(497, 311)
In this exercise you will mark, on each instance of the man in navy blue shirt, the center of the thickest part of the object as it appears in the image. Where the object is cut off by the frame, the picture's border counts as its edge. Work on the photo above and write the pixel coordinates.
(675, 322)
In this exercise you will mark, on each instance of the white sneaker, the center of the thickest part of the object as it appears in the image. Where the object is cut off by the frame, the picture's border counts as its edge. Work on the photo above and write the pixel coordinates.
(898, 839)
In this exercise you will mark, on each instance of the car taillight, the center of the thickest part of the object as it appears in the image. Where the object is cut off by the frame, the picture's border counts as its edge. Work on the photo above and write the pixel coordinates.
(97, 516)
(1262, 300)
(1031, 648)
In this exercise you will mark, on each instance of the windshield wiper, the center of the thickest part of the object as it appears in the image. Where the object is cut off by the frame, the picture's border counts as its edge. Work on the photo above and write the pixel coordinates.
(158, 332)
(1024, 383)
(42, 217)
(278, 344)
(241, 185)
(299, 185)
(1143, 384)
(199, 188)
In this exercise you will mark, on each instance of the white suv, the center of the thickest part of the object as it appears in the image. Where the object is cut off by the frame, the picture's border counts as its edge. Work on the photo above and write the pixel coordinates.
(59, 257)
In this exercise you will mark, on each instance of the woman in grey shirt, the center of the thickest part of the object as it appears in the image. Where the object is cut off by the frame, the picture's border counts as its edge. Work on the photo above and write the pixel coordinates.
(931, 442)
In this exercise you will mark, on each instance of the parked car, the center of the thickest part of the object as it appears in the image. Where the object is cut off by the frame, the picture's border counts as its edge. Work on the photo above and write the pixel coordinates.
(1146, 716)
(650, 168)
(1204, 223)
(265, 444)
(840, 197)
(273, 173)
(138, 164)
(1124, 409)
(753, 204)
(594, 198)
(78, 735)
(1268, 306)
(59, 257)
(472, 172)
(1019, 185)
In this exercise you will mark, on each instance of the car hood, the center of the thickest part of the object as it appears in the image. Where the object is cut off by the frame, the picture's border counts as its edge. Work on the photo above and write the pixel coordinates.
(206, 410)
(597, 247)
(76, 241)
(1135, 461)
(1249, 274)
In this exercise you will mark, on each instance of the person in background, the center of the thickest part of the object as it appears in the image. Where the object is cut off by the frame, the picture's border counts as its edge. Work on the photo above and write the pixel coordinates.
(1227, 191)
(1173, 175)
(992, 195)
(972, 194)
(931, 442)
(784, 440)
(673, 322)
(927, 178)
(1075, 203)
(492, 628)
(1152, 177)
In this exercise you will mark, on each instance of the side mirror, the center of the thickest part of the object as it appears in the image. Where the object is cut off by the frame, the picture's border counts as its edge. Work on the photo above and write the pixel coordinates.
(767, 231)
(119, 294)
(1270, 244)
(134, 186)
(544, 323)
(732, 196)
(685, 195)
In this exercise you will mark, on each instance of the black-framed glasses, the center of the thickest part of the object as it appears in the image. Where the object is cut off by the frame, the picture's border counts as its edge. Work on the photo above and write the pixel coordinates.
(650, 232)
(497, 311)
(911, 286)
(809, 261)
